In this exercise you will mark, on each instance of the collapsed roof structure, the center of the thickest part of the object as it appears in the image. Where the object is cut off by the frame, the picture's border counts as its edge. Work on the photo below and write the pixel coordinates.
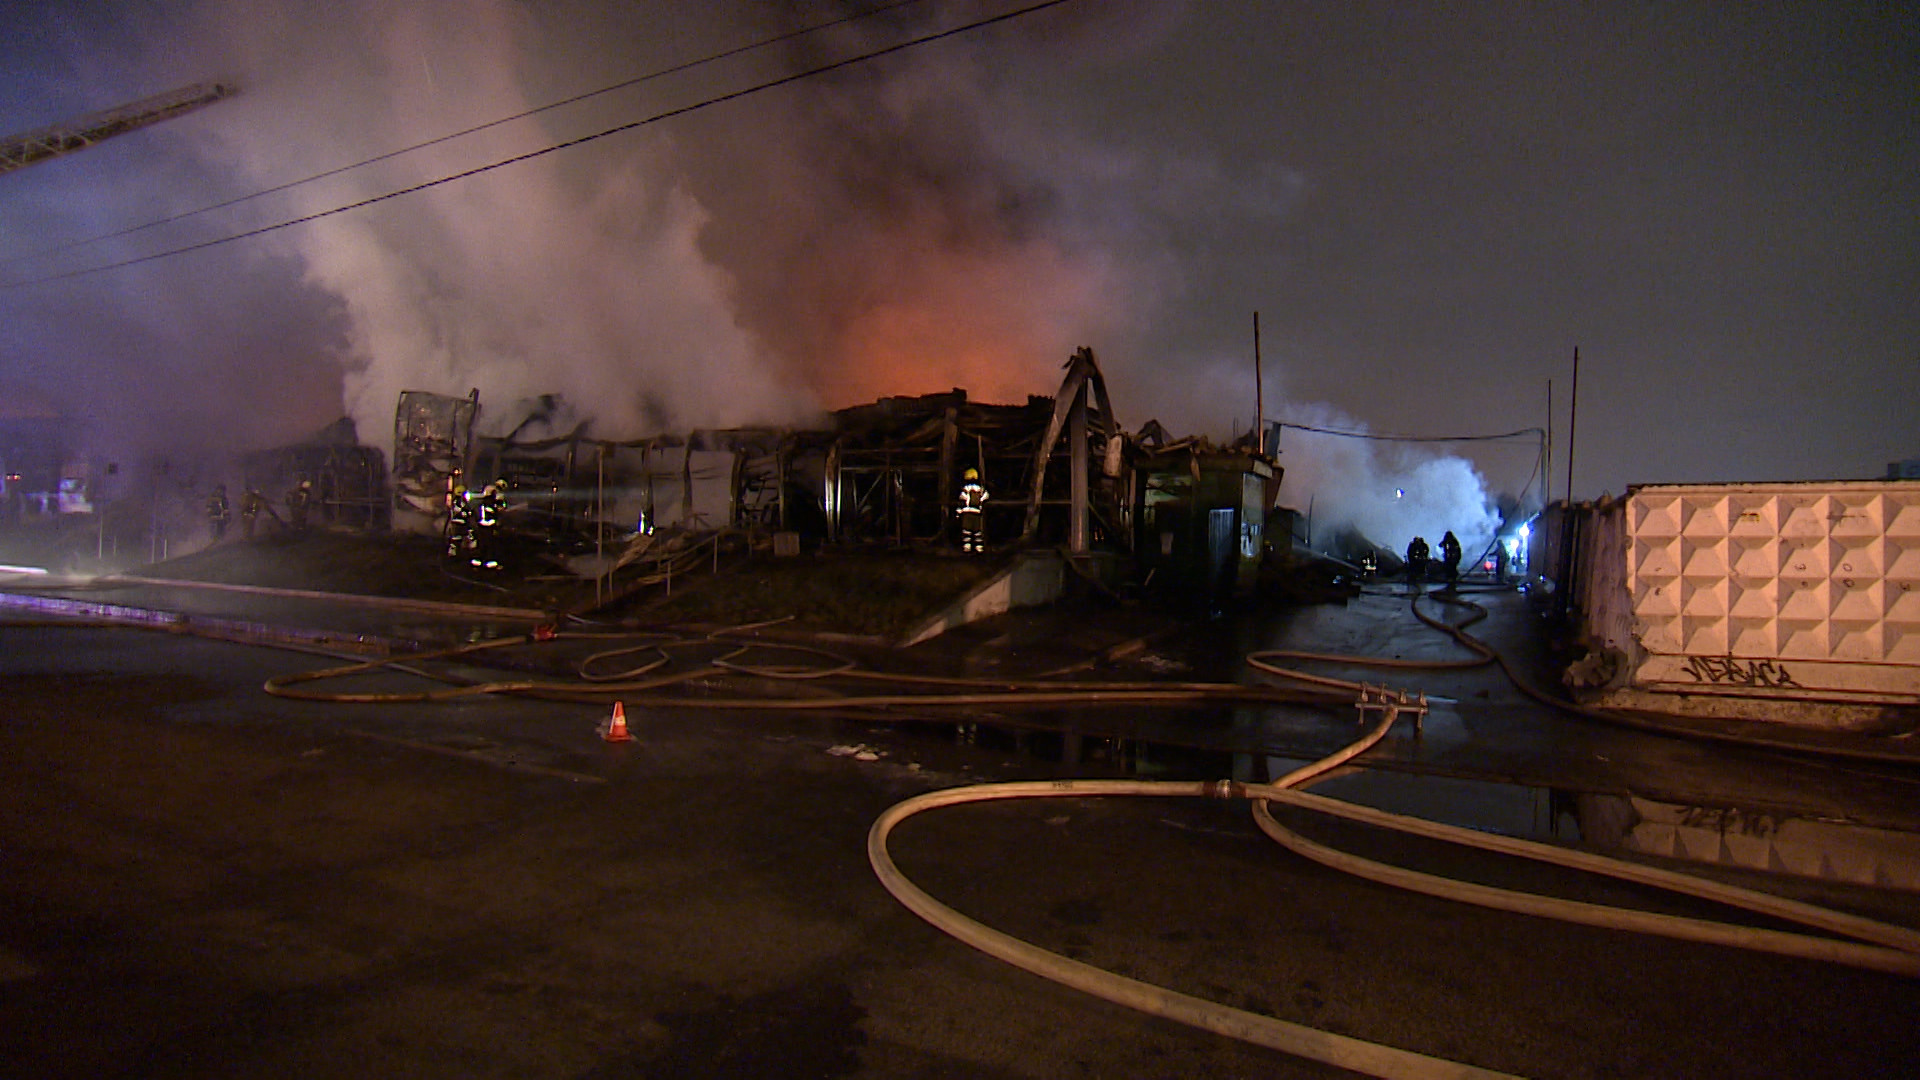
(1061, 472)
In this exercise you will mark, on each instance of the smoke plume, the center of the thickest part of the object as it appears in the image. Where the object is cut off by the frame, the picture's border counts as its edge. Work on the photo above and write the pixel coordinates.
(930, 219)
(1389, 492)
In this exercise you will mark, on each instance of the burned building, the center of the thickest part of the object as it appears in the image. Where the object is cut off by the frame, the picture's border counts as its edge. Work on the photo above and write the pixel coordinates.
(34, 453)
(1203, 512)
(349, 480)
(1059, 472)
(894, 468)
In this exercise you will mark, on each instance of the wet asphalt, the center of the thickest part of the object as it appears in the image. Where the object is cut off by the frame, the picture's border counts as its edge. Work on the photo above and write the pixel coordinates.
(198, 879)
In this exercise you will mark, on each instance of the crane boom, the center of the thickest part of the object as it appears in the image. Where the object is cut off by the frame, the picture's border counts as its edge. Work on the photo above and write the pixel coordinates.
(18, 151)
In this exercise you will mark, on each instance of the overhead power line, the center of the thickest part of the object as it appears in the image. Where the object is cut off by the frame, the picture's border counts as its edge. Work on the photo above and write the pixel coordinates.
(1532, 433)
(668, 114)
(451, 136)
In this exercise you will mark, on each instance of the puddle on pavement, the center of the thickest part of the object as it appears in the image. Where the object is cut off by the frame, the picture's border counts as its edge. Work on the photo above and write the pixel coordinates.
(1511, 809)
(1630, 826)
(1531, 813)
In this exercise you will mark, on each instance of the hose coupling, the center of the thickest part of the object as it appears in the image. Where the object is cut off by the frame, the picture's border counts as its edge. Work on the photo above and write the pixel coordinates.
(1224, 789)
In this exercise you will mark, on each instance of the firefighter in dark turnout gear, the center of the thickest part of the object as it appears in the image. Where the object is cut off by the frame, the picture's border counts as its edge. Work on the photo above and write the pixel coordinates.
(486, 525)
(460, 506)
(473, 522)
(1450, 554)
(1417, 560)
(218, 512)
(298, 500)
(973, 514)
(251, 504)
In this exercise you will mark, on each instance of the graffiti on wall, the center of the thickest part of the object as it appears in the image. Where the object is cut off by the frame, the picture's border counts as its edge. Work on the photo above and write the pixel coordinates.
(1728, 671)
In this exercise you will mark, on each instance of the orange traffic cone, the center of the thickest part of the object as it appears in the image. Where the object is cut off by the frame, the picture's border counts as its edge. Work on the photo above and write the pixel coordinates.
(617, 727)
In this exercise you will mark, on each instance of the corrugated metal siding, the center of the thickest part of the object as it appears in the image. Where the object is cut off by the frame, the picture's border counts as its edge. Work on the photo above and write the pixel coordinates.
(1788, 590)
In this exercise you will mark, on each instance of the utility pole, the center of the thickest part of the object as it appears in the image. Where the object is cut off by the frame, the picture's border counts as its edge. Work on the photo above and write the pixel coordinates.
(1259, 392)
(599, 521)
(1546, 466)
(1573, 420)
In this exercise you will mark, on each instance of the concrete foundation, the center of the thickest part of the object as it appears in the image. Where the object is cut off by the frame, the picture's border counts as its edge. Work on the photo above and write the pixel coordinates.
(1032, 579)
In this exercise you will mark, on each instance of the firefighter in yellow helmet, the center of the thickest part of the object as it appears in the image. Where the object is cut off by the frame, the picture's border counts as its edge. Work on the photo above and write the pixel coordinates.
(488, 506)
(973, 514)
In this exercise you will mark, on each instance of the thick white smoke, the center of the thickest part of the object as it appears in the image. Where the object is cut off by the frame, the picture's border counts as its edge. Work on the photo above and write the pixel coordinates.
(925, 221)
(575, 273)
(1390, 492)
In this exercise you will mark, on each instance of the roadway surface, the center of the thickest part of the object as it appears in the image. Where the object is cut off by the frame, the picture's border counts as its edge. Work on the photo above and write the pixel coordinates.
(197, 879)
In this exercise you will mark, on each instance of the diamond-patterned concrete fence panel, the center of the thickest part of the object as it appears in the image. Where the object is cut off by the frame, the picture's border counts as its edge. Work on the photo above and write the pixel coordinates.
(1774, 590)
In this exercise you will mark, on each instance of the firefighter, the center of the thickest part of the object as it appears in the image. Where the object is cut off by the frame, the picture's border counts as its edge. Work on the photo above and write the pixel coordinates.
(219, 514)
(491, 503)
(298, 500)
(973, 514)
(461, 504)
(250, 506)
(1417, 560)
(1450, 554)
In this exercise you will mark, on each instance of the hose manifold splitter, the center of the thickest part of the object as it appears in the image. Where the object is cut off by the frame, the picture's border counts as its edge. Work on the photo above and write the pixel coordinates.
(1400, 702)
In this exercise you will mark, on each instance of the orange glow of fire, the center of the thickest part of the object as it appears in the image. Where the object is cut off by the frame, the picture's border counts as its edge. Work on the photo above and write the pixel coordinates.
(998, 326)
(906, 351)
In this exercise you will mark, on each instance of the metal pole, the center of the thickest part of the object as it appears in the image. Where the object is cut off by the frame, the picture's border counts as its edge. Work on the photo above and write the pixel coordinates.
(1259, 393)
(1546, 469)
(1077, 459)
(599, 519)
(1573, 420)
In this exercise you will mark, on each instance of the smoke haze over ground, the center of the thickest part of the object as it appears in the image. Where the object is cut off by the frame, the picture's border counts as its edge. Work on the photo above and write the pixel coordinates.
(1430, 207)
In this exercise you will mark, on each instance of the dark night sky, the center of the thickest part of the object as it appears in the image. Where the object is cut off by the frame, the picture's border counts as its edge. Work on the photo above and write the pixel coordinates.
(1715, 203)
(1430, 206)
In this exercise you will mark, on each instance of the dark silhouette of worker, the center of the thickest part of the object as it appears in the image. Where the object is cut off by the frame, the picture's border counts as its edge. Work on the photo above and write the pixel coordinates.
(251, 504)
(1450, 554)
(1500, 562)
(219, 514)
(298, 500)
(973, 514)
(1417, 560)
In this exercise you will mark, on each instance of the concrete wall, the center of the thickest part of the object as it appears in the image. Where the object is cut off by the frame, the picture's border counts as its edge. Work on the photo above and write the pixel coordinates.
(1032, 579)
(1803, 593)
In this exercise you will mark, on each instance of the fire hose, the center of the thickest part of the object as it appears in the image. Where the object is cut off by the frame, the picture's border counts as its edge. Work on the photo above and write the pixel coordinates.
(1878, 946)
